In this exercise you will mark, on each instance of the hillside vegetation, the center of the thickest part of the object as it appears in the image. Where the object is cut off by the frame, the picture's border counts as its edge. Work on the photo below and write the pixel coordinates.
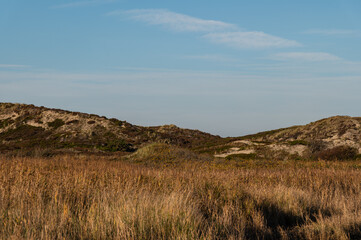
(333, 131)
(334, 138)
(27, 127)
(27, 130)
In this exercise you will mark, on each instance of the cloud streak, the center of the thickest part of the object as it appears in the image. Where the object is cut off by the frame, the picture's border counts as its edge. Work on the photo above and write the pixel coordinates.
(305, 56)
(175, 21)
(13, 66)
(215, 31)
(253, 40)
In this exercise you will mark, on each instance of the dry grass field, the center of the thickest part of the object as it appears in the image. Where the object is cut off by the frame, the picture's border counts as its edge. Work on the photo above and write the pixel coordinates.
(169, 193)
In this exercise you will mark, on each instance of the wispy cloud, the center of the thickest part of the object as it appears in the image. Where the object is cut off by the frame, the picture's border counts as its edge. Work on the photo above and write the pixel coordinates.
(214, 31)
(13, 66)
(175, 21)
(334, 32)
(83, 3)
(305, 56)
(254, 40)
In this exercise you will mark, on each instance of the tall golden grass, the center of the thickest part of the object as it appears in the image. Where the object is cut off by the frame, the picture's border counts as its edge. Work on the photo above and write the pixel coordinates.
(89, 197)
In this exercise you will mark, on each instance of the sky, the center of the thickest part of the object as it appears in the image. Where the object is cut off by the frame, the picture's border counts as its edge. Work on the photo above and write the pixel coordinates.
(230, 68)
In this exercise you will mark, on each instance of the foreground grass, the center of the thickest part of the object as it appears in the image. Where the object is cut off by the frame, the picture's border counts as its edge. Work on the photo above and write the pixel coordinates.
(89, 197)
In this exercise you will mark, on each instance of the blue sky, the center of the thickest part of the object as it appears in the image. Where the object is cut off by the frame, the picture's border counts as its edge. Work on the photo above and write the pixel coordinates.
(225, 67)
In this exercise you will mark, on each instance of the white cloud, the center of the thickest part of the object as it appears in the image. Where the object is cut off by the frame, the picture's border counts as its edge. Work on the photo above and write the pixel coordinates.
(215, 31)
(175, 21)
(305, 56)
(254, 40)
(13, 66)
(335, 32)
(83, 3)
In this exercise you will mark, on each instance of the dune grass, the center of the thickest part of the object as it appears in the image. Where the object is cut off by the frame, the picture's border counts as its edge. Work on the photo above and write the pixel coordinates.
(92, 197)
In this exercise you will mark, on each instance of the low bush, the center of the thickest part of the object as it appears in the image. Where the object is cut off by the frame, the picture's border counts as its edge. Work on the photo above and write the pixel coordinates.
(57, 123)
(161, 153)
(22, 132)
(338, 153)
(298, 142)
(242, 156)
(75, 121)
(6, 122)
(117, 122)
(316, 146)
(116, 146)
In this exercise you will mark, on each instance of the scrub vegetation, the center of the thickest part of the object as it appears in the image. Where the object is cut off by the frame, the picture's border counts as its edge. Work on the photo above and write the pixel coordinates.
(23, 127)
(166, 192)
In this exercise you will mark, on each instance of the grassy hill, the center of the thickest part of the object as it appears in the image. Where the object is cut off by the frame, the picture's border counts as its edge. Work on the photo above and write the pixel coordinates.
(336, 137)
(28, 127)
(338, 130)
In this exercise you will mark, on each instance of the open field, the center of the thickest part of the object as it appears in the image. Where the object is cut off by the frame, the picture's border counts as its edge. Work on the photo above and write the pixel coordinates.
(94, 197)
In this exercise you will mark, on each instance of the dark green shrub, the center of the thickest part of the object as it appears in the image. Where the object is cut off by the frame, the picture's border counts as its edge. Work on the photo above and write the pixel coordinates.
(242, 156)
(6, 122)
(22, 132)
(116, 146)
(338, 153)
(316, 146)
(75, 121)
(56, 123)
(117, 122)
(298, 142)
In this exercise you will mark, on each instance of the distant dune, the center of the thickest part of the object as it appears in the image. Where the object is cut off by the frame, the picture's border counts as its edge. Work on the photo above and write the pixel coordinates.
(27, 127)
